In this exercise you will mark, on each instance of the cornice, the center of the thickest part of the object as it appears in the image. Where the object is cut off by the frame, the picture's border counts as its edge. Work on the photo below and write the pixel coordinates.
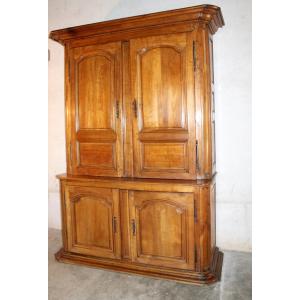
(209, 15)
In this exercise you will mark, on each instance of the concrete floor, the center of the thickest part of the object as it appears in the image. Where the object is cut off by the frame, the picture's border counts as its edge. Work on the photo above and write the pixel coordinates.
(70, 282)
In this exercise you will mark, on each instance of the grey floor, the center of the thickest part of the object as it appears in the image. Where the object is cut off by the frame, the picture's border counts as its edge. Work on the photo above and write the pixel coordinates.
(70, 282)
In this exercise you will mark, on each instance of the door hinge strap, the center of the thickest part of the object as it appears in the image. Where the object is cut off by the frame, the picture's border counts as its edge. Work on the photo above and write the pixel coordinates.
(133, 227)
(134, 105)
(197, 156)
(117, 110)
(114, 224)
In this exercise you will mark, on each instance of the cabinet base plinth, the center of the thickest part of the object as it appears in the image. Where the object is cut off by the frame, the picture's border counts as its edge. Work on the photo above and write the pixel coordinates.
(185, 276)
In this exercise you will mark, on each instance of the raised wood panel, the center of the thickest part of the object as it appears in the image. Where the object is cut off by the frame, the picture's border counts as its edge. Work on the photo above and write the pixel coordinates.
(96, 146)
(93, 221)
(167, 156)
(97, 155)
(169, 238)
(174, 135)
(95, 91)
(93, 135)
(161, 74)
(162, 229)
(162, 88)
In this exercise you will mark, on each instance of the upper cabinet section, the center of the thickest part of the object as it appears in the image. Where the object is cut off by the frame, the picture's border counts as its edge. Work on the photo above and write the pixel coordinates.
(178, 20)
(139, 95)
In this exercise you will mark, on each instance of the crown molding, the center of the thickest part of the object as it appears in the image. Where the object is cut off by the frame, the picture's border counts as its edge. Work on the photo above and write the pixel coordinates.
(209, 15)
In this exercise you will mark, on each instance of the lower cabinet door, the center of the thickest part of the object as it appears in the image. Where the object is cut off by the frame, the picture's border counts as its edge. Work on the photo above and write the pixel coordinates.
(93, 225)
(162, 229)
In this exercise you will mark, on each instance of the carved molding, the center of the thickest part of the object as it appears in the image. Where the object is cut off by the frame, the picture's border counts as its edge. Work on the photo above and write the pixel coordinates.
(76, 197)
(109, 56)
(178, 207)
(144, 51)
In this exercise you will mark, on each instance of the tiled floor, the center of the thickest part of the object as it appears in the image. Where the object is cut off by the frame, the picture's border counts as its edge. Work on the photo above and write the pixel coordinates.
(70, 282)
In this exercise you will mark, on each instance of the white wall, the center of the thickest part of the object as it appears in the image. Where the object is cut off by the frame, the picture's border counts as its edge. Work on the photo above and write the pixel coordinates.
(233, 104)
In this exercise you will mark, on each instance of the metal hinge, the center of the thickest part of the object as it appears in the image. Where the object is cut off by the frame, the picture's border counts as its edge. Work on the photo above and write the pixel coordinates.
(114, 224)
(117, 110)
(134, 105)
(194, 56)
(196, 254)
(197, 157)
(133, 227)
(195, 215)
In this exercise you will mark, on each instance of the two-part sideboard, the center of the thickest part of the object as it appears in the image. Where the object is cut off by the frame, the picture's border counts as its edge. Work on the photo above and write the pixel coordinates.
(139, 192)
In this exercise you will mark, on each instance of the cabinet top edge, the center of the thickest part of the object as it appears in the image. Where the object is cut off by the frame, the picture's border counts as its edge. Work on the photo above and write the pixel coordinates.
(210, 15)
(68, 177)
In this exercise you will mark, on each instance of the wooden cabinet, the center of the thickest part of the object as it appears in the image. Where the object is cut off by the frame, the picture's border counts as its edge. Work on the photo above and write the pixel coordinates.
(139, 193)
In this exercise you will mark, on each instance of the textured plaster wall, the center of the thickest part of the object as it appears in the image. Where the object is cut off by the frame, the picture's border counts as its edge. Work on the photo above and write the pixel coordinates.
(232, 57)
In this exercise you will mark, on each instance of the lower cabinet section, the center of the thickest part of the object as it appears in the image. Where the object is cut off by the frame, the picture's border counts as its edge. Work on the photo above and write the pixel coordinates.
(156, 228)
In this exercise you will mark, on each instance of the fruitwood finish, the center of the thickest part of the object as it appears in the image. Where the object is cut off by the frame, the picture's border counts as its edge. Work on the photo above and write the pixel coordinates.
(139, 193)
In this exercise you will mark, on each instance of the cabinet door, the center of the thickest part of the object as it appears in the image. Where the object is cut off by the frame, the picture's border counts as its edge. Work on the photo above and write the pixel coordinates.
(95, 110)
(162, 229)
(163, 106)
(93, 225)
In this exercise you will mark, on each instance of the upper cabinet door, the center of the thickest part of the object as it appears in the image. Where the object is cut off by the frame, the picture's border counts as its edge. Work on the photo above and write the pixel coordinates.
(162, 83)
(94, 136)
